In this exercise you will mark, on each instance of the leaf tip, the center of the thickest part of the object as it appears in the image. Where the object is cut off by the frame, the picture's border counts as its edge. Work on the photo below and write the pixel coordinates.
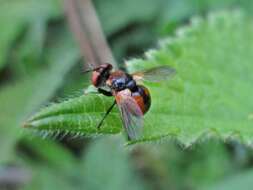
(27, 124)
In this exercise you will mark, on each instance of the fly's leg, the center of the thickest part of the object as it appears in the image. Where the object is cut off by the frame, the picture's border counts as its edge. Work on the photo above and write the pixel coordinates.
(106, 114)
(94, 90)
(104, 92)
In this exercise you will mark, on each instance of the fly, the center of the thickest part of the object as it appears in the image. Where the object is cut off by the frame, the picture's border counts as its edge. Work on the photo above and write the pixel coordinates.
(132, 99)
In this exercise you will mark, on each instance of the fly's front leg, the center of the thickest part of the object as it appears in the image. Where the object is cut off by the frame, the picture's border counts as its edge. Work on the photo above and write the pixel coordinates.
(104, 92)
(93, 90)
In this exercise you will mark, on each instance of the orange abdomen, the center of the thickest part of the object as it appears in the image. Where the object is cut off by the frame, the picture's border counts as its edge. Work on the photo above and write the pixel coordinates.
(142, 97)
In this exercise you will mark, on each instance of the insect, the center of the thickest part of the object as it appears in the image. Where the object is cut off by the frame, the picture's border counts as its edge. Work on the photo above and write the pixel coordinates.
(133, 99)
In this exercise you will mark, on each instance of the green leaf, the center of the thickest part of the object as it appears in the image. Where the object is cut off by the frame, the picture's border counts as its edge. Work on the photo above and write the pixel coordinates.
(44, 178)
(19, 99)
(29, 53)
(15, 15)
(174, 12)
(91, 172)
(52, 155)
(115, 15)
(210, 95)
(98, 174)
(77, 116)
(169, 169)
(242, 180)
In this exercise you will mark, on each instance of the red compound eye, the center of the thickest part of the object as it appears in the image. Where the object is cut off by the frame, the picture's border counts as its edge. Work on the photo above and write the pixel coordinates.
(95, 78)
(101, 74)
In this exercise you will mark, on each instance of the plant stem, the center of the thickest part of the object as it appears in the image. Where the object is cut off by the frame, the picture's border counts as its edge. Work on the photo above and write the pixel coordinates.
(87, 30)
(13, 177)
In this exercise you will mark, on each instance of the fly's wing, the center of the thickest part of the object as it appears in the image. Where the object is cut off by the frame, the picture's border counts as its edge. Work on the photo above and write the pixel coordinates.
(156, 74)
(131, 115)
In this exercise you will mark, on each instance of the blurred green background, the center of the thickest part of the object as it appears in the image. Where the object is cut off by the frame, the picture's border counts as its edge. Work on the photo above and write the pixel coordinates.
(40, 63)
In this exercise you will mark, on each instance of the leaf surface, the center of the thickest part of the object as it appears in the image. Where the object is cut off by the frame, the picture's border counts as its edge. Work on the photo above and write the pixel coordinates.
(209, 96)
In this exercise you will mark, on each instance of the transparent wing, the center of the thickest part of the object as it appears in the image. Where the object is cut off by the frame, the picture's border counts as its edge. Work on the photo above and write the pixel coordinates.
(156, 74)
(131, 115)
